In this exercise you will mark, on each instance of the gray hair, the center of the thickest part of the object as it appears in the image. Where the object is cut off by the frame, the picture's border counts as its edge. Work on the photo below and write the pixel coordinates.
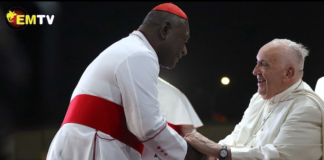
(157, 17)
(299, 51)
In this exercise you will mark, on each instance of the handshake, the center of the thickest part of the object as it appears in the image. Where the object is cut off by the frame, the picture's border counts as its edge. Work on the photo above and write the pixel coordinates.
(201, 148)
(193, 154)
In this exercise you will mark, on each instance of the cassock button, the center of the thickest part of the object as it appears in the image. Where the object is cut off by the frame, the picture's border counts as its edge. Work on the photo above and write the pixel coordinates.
(162, 150)
(158, 147)
(165, 154)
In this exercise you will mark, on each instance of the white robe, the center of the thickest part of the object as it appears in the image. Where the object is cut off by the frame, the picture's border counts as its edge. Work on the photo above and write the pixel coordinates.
(319, 89)
(176, 109)
(293, 131)
(125, 73)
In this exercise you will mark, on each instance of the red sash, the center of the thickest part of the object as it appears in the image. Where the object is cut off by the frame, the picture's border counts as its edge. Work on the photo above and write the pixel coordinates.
(103, 115)
(177, 128)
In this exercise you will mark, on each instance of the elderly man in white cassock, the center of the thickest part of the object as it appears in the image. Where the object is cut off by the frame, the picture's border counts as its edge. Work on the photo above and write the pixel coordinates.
(284, 120)
(114, 110)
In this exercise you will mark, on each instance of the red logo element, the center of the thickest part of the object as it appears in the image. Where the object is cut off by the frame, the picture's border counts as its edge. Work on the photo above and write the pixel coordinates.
(15, 18)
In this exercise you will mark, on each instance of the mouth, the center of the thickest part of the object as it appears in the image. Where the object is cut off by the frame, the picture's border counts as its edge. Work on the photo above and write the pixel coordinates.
(261, 80)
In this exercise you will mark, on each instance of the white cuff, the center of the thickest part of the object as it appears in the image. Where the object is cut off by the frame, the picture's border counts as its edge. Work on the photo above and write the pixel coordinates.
(168, 144)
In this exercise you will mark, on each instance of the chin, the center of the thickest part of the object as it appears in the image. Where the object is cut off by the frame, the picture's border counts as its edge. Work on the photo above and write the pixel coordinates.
(265, 97)
(168, 67)
(164, 66)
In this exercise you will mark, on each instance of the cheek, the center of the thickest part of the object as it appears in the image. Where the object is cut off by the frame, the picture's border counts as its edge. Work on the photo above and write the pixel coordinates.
(179, 44)
(177, 50)
(264, 73)
(273, 82)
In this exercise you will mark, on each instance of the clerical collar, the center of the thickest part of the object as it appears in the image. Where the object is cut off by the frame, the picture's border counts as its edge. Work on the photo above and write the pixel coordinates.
(143, 38)
(283, 95)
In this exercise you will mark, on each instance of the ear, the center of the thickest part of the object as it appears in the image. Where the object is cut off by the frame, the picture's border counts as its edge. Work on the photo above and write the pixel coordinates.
(165, 30)
(290, 73)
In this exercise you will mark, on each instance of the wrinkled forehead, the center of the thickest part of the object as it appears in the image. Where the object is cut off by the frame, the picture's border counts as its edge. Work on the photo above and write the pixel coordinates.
(272, 52)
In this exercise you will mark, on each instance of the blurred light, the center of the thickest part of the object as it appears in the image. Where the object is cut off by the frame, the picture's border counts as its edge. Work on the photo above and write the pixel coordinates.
(220, 117)
(225, 81)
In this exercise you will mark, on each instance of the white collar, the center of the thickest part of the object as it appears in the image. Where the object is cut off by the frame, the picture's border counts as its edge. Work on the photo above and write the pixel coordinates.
(283, 95)
(143, 39)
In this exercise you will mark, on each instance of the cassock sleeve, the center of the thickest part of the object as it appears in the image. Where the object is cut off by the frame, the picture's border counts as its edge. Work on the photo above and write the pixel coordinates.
(230, 140)
(137, 77)
(299, 137)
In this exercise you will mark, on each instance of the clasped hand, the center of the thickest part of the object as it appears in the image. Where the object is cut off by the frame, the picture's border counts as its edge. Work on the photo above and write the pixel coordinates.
(203, 144)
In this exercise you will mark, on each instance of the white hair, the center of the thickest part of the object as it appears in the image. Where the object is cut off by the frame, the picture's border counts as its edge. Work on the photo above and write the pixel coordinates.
(299, 51)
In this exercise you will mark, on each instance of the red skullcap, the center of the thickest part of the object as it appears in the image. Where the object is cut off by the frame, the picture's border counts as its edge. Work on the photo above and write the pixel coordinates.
(171, 8)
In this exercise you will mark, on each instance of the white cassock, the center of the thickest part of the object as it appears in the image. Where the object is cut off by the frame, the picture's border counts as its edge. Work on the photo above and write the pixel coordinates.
(319, 89)
(288, 126)
(118, 94)
(177, 110)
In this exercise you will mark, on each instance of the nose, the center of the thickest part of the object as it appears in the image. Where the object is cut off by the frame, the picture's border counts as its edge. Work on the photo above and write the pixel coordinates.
(184, 51)
(256, 70)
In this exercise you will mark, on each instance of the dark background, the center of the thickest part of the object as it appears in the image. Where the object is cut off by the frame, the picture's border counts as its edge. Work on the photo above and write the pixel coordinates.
(42, 64)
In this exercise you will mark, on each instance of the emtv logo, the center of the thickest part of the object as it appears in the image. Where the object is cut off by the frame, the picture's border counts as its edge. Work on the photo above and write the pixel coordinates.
(17, 18)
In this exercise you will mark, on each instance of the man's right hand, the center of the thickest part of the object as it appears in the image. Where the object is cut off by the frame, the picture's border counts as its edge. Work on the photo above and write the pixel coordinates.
(193, 154)
(203, 144)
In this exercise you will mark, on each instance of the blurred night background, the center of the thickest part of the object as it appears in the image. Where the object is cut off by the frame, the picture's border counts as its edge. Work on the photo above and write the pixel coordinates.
(41, 64)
